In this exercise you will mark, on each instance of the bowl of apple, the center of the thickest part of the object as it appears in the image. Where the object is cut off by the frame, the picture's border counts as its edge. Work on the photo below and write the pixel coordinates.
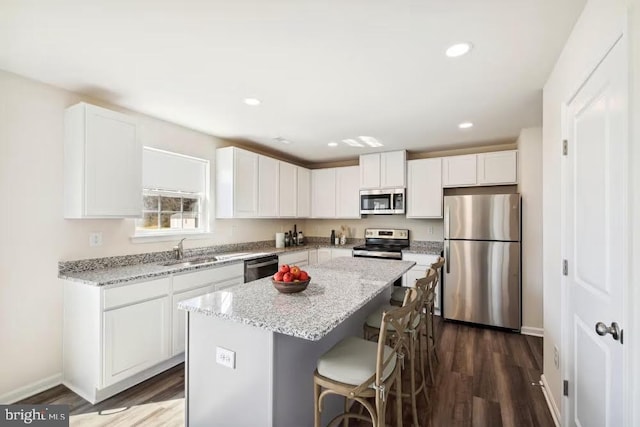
(289, 280)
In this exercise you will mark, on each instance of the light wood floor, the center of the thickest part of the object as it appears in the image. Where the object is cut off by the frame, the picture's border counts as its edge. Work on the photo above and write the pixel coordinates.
(485, 378)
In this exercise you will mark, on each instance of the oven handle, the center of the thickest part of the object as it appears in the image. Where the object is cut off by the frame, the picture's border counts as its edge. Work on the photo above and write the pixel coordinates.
(262, 264)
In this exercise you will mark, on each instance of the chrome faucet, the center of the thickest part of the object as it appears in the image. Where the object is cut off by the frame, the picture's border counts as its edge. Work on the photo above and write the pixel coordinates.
(178, 250)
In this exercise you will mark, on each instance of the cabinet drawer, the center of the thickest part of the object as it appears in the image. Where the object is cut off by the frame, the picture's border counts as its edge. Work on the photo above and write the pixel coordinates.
(296, 258)
(420, 259)
(196, 279)
(130, 294)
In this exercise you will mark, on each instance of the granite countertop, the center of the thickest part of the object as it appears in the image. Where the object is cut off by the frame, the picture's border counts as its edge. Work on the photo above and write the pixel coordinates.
(338, 288)
(117, 274)
(425, 247)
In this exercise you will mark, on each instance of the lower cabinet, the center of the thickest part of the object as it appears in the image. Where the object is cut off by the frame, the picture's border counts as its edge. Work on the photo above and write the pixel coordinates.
(418, 271)
(324, 254)
(136, 337)
(116, 337)
(299, 258)
(337, 253)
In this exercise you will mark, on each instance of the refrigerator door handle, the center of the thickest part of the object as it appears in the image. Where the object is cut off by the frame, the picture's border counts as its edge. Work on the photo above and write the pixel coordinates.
(447, 258)
(446, 222)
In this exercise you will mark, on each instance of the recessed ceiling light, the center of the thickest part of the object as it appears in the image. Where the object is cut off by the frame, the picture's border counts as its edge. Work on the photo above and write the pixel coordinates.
(332, 144)
(282, 140)
(252, 101)
(352, 142)
(465, 125)
(371, 141)
(458, 49)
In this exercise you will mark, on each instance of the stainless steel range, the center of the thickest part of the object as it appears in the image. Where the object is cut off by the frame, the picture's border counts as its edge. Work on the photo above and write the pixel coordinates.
(385, 243)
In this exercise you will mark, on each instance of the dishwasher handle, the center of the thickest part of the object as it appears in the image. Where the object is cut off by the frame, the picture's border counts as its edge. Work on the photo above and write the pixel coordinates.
(261, 264)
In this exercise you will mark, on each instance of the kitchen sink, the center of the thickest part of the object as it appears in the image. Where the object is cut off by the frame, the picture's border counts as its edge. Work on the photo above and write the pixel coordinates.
(187, 262)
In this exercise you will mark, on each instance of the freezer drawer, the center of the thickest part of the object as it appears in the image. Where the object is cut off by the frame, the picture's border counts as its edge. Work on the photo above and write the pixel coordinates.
(482, 282)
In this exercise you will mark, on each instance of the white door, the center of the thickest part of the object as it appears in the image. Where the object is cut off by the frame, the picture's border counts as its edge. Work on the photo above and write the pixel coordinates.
(323, 193)
(287, 189)
(304, 192)
(594, 243)
(348, 192)
(179, 316)
(424, 189)
(459, 170)
(268, 200)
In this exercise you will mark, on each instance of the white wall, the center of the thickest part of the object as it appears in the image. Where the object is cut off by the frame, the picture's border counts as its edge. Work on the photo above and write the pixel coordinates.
(420, 229)
(530, 187)
(595, 32)
(34, 236)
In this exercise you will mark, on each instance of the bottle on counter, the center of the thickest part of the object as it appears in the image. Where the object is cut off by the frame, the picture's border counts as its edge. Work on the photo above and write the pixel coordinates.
(287, 240)
(332, 239)
(300, 238)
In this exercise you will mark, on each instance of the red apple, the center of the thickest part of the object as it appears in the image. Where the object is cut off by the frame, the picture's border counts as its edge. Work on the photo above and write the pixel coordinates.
(287, 277)
(295, 271)
(284, 268)
(278, 276)
(303, 275)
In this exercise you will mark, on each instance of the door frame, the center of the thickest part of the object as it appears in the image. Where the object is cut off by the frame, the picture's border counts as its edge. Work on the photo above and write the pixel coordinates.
(629, 320)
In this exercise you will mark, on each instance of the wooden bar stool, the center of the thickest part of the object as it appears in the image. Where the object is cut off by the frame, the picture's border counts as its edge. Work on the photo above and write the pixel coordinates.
(413, 332)
(359, 369)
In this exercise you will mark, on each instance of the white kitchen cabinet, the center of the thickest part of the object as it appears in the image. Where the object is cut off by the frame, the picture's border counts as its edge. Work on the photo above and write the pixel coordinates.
(300, 258)
(323, 193)
(459, 171)
(136, 337)
(115, 337)
(268, 170)
(498, 168)
(102, 164)
(383, 170)
(423, 262)
(347, 192)
(236, 183)
(324, 254)
(287, 190)
(424, 188)
(494, 168)
(303, 192)
(338, 253)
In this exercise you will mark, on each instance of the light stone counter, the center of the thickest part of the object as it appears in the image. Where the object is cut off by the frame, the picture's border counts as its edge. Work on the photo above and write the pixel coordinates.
(337, 289)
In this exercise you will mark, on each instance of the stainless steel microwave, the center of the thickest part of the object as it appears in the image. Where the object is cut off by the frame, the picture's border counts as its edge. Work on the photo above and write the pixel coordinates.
(382, 202)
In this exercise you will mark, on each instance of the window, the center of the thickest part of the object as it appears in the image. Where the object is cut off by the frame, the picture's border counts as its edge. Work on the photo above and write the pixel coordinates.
(174, 195)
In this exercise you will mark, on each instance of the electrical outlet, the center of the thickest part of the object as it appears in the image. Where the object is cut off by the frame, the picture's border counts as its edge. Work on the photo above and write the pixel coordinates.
(430, 230)
(556, 357)
(95, 238)
(226, 357)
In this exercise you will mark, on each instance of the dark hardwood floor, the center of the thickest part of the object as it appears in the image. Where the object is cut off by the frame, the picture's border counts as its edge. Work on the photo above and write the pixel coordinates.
(486, 378)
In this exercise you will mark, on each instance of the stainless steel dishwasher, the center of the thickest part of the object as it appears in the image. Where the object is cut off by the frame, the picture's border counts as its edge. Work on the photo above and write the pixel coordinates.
(258, 268)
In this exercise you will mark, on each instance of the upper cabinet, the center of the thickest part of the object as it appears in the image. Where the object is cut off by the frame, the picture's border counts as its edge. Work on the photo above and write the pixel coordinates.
(383, 170)
(236, 183)
(102, 164)
(304, 192)
(268, 186)
(495, 168)
(287, 189)
(498, 168)
(335, 192)
(424, 188)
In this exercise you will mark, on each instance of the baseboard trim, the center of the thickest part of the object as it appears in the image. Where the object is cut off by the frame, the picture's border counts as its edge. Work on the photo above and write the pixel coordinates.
(529, 330)
(553, 408)
(31, 389)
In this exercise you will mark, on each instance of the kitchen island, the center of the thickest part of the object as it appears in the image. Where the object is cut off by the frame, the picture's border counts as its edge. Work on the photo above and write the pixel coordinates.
(271, 342)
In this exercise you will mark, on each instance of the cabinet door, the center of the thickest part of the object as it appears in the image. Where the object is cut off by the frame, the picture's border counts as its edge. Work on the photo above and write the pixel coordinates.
(287, 190)
(347, 192)
(370, 171)
(268, 187)
(497, 168)
(459, 170)
(304, 192)
(323, 193)
(245, 192)
(424, 190)
(339, 253)
(416, 272)
(136, 337)
(296, 258)
(324, 254)
(224, 284)
(393, 169)
(179, 316)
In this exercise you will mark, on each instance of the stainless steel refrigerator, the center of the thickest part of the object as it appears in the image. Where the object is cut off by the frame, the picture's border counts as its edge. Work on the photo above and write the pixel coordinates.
(482, 251)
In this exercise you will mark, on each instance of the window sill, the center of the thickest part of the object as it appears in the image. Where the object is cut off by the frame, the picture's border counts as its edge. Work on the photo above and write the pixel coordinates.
(152, 238)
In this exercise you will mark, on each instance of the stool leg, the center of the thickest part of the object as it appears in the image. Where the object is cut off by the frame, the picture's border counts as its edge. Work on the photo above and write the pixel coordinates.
(412, 368)
(433, 337)
(316, 404)
(430, 350)
(398, 382)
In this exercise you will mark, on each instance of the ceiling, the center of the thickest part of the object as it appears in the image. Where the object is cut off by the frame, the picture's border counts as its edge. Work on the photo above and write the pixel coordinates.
(323, 70)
